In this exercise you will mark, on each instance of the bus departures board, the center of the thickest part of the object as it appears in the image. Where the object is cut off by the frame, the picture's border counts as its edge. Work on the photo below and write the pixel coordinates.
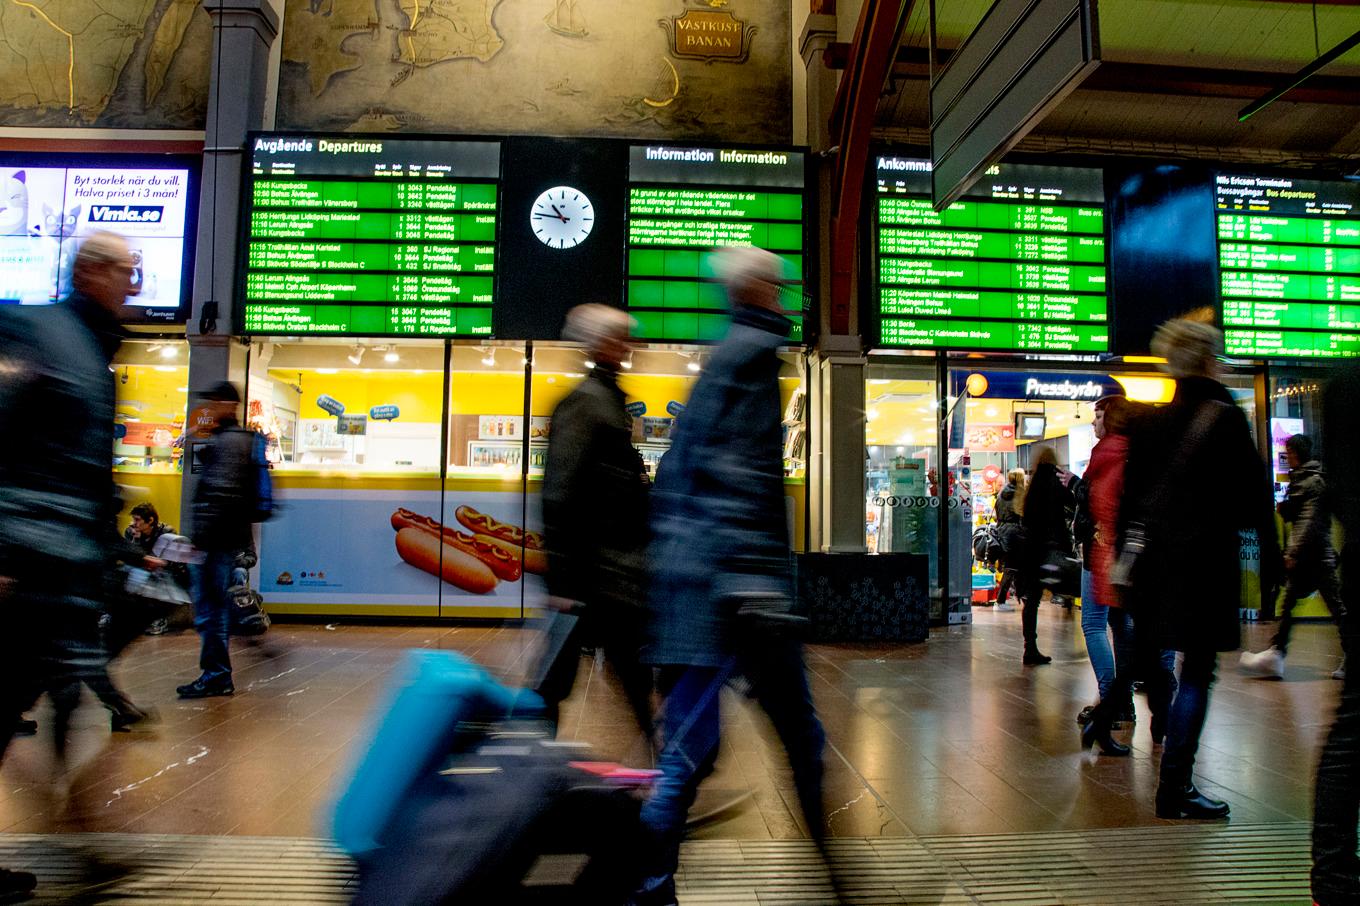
(1018, 263)
(685, 202)
(1289, 266)
(350, 235)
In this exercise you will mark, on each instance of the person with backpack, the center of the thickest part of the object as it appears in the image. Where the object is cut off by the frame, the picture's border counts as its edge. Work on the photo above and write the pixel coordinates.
(233, 491)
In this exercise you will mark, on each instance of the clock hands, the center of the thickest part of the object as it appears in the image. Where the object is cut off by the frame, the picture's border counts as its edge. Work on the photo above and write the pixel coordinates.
(556, 215)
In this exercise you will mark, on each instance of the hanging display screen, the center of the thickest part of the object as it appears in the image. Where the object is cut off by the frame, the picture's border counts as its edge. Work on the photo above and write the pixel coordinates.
(52, 201)
(1017, 264)
(686, 202)
(376, 236)
(1289, 266)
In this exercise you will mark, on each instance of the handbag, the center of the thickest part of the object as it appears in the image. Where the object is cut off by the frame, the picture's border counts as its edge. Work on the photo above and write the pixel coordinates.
(1061, 573)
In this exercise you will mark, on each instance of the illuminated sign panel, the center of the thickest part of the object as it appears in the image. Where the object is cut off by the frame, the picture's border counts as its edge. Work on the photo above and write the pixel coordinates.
(370, 237)
(1289, 266)
(683, 203)
(1018, 264)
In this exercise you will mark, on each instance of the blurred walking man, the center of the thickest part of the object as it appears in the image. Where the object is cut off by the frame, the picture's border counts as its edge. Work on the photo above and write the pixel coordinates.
(1336, 799)
(722, 585)
(595, 519)
(56, 490)
(1309, 558)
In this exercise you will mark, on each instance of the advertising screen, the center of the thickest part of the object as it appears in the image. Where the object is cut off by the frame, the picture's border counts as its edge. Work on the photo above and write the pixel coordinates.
(1017, 264)
(50, 202)
(1289, 266)
(686, 202)
(378, 236)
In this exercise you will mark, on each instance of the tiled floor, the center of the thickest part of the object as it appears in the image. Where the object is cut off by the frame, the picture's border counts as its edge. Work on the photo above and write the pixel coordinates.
(949, 737)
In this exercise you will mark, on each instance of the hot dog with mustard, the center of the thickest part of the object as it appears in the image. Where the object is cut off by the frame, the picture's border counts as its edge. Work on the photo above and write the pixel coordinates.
(510, 538)
(504, 563)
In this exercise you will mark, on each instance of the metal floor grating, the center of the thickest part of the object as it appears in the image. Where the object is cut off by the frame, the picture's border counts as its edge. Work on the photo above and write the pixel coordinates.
(1192, 864)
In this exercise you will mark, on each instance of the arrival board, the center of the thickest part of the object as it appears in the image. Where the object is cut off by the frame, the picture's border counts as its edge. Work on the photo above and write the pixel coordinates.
(683, 204)
(1017, 264)
(1289, 266)
(377, 236)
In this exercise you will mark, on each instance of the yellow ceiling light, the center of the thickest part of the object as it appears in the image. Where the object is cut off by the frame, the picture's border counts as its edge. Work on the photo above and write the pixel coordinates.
(1146, 388)
(976, 384)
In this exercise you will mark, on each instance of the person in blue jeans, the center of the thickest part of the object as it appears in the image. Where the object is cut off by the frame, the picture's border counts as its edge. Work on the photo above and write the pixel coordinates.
(722, 587)
(224, 507)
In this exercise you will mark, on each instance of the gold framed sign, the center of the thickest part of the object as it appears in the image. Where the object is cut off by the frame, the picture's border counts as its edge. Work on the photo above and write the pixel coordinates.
(709, 34)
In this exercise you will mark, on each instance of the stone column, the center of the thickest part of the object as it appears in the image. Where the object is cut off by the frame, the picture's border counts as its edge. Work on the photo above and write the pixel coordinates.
(243, 32)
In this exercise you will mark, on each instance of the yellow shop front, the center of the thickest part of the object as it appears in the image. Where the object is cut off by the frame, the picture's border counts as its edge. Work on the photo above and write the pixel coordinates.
(401, 469)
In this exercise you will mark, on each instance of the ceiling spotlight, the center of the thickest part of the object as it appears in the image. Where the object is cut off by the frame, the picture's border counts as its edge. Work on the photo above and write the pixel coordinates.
(626, 366)
(168, 351)
(694, 366)
(490, 358)
(391, 356)
(590, 366)
(356, 356)
(328, 371)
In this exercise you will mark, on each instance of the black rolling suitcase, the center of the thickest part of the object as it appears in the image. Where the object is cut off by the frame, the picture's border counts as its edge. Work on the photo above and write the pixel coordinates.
(462, 798)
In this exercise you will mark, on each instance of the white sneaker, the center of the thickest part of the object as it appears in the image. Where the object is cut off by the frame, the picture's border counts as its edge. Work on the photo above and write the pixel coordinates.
(1340, 672)
(1268, 664)
(1005, 606)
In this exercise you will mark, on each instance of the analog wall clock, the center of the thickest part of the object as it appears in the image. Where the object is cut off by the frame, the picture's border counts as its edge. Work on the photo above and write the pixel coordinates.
(562, 217)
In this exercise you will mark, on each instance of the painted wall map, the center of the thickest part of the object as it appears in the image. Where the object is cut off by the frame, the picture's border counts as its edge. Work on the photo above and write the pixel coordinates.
(643, 69)
(129, 63)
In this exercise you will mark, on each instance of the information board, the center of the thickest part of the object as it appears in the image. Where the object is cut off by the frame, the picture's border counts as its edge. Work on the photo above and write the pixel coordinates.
(1289, 266)
(369, 236)
(685, 202)
(1017, 264)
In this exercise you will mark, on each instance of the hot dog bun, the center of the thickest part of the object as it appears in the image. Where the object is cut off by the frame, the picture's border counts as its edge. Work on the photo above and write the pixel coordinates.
(482, 524)
(423, 550)
(535, 561)
(504, 563)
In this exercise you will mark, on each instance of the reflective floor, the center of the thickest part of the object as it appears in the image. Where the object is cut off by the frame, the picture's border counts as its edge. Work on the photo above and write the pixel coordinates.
(950, 737)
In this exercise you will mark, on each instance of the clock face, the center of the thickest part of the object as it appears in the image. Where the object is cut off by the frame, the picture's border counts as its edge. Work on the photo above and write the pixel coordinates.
(562, 217)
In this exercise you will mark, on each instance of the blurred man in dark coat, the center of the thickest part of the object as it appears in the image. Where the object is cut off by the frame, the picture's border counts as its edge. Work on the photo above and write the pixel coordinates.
(1336, 800)
(56, 490)
(722, 582)
(1189, 585)
(595, 519)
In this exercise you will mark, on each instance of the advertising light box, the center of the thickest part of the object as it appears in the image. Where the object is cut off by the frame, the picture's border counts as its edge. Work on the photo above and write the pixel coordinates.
(686, 202)
(1289, 266)
(1017, 264)
(50, 202)
(369, 236)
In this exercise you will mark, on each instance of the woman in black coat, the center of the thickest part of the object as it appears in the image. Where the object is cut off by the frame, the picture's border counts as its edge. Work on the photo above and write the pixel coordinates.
(1188, 580)
(1046, 532)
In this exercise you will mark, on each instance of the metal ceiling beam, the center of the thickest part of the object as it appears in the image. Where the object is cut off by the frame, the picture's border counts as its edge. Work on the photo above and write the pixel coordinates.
(868, 59)
(1150, 78)
(1298, 78)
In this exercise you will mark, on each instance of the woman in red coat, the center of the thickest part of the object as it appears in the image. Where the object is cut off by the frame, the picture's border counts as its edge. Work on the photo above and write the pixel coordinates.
(1097, 524)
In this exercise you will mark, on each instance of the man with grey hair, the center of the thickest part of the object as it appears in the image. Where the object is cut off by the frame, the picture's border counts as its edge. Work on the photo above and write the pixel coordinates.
(57, 494)
(722, 586)
(1187, 583)
(595, 520)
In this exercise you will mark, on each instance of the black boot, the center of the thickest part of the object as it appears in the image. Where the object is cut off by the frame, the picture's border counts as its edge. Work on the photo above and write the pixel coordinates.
(16, 885)
(1177, 802)
(1096, 731)
(1034, 657)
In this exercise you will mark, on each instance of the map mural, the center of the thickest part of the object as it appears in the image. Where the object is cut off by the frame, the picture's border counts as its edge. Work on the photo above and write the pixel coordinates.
(113, 63)
(640, 68)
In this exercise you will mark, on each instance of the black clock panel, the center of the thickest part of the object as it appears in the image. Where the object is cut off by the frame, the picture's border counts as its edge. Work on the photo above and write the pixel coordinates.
(548, 265)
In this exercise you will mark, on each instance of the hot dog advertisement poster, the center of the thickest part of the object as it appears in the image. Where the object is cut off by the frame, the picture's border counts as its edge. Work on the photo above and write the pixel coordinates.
(397, 555)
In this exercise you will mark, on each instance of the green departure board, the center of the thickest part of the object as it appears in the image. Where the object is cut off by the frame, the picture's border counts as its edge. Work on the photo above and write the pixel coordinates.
(369, 237)
(685, 203)
(1018, 264)
(1289, 266)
